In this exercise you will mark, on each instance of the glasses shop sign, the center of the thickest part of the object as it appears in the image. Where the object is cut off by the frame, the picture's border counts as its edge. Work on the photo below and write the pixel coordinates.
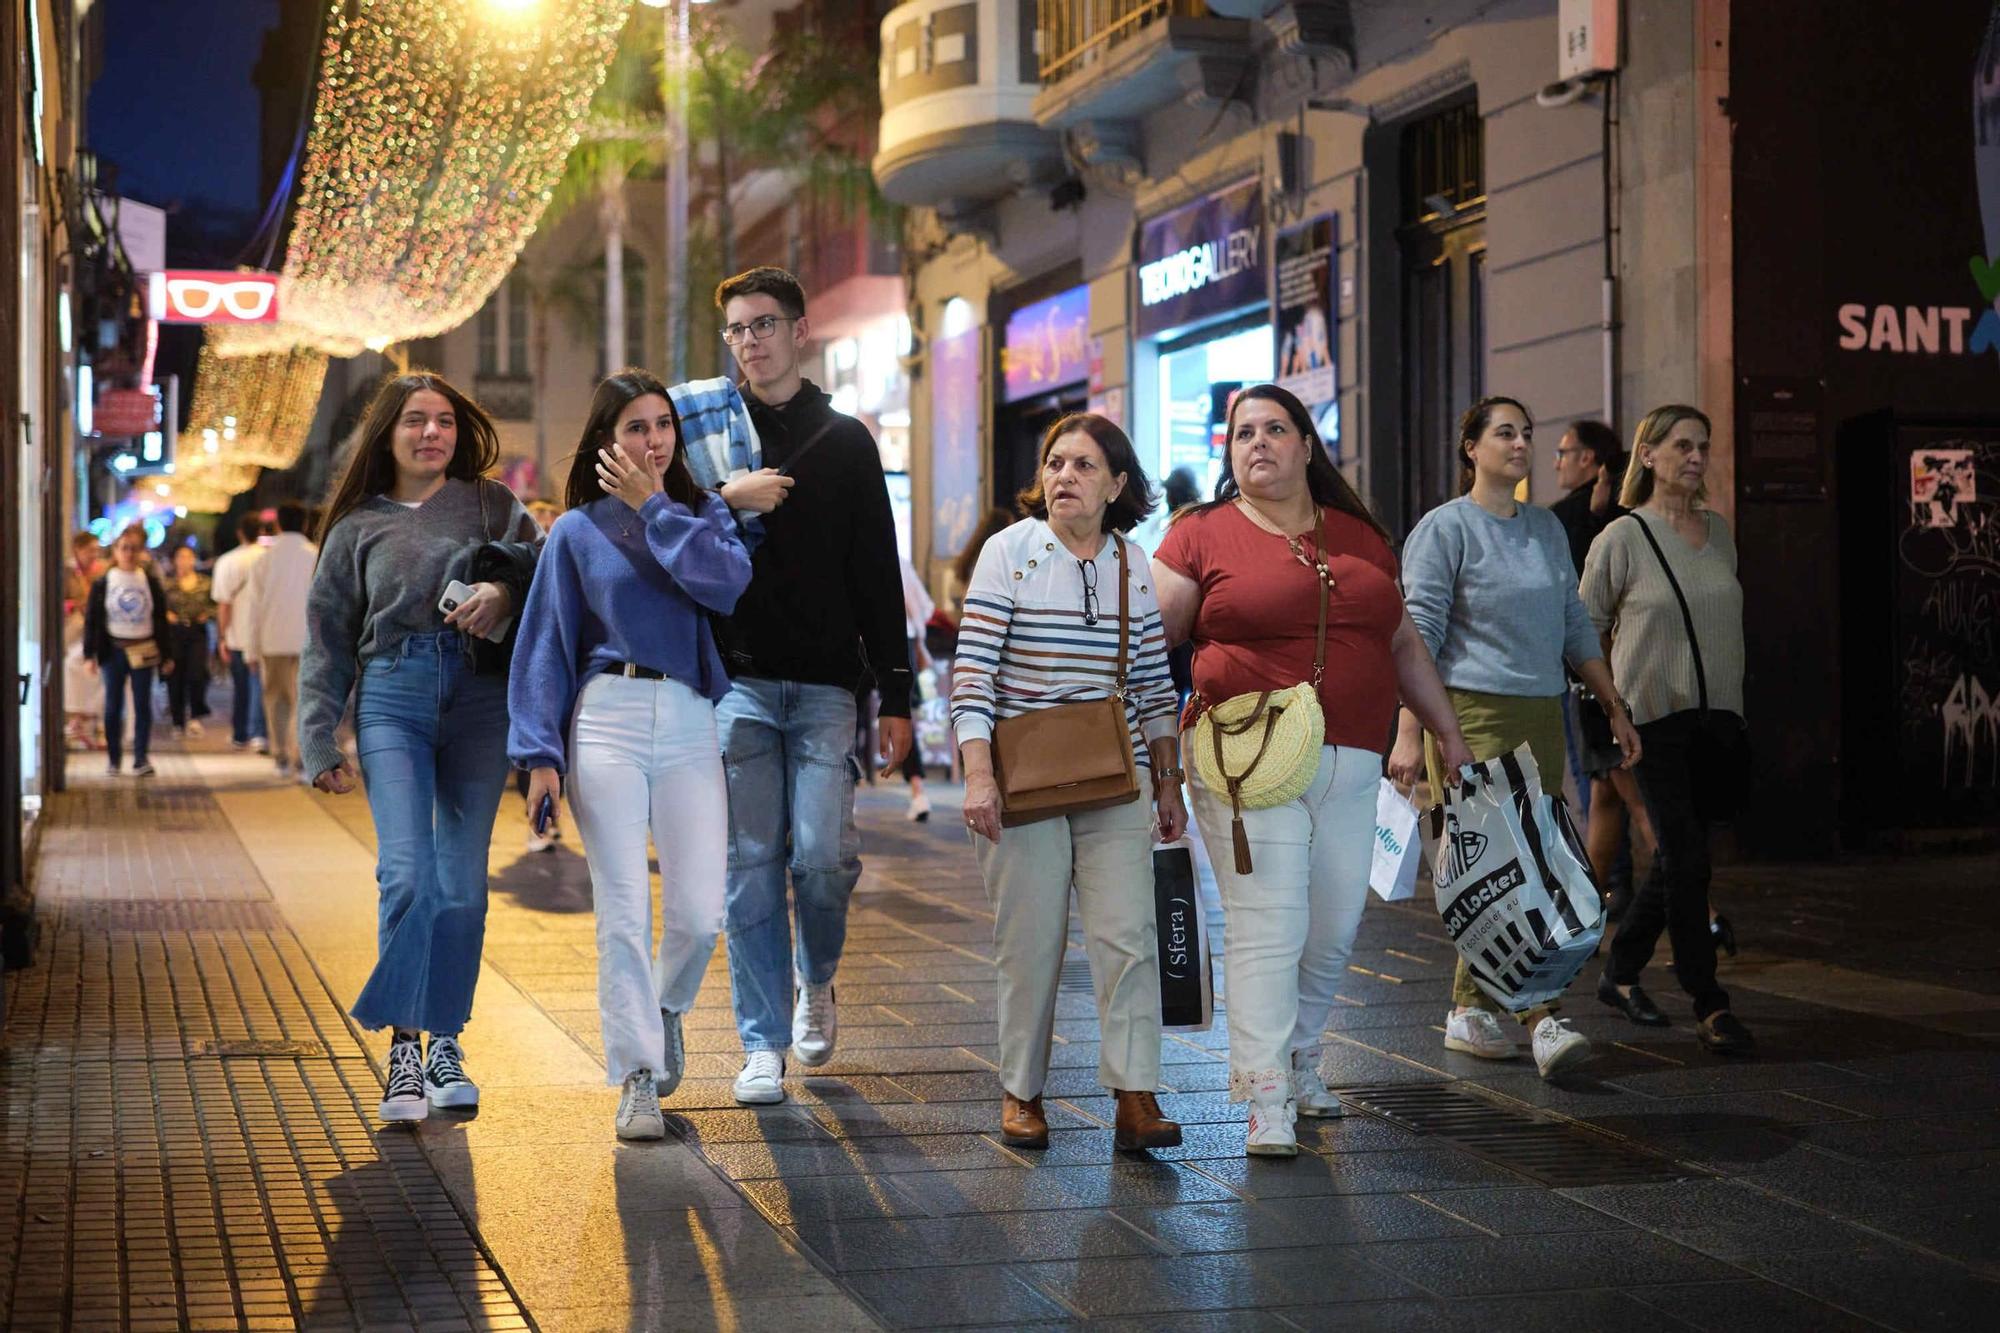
(1201, 260)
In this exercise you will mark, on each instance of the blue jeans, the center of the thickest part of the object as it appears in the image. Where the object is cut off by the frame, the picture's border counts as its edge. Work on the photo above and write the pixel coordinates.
(788, 756)
(116, 670)
(433, 740)
(246, 703)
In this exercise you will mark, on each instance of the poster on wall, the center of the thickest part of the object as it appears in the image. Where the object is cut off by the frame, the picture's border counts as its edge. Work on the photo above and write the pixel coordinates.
(1304, 327)
(1047, 346)
(955, 413)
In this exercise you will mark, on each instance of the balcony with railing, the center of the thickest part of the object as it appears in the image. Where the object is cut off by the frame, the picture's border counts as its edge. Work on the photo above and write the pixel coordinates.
(958, 128)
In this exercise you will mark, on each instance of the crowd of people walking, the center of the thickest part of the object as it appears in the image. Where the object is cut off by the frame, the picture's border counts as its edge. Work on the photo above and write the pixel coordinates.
(680, 653)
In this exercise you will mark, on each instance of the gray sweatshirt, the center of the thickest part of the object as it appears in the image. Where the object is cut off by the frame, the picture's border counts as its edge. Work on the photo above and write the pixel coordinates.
(381, 572)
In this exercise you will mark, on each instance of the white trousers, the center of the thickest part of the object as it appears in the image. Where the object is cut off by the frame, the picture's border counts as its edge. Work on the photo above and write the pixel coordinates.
(644, 758)
(1107, 855)
(1289, 925)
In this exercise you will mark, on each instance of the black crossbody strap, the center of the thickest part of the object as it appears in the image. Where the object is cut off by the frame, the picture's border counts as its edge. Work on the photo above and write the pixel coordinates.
(1687, 617)
(805, 449)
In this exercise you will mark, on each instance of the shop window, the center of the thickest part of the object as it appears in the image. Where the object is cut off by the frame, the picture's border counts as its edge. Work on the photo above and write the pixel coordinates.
(1198, 376)
(502, 329)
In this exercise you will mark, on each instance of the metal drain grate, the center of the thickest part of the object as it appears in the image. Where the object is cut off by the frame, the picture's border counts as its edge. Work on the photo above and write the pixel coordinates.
(253, 1048)
(127, 916)
(1557, 1153)
(1075, 977)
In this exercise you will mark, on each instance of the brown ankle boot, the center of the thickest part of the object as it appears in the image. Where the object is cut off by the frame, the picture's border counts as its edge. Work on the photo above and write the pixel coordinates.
(1022, 1124)
(1140, 1124)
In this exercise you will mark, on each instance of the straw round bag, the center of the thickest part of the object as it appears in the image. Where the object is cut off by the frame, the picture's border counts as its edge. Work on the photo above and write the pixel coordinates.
(1263, 749)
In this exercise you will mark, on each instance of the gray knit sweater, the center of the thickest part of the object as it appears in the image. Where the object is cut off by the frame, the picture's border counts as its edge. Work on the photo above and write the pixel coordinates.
(1629, 598)
(381, 572)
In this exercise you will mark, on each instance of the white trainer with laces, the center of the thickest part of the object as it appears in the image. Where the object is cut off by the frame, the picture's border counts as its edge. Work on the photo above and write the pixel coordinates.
(1558, 1046)
(762, 1082)
(1476, 1032)
(445, 1083)
(639, 1117)
(815, 1025)
(404, 1098)
(675, 1062)
(1272, 1115)
(1309, 1090)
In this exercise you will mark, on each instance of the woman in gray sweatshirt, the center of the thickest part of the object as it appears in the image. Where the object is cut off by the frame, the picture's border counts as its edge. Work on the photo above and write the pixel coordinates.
(414, 514)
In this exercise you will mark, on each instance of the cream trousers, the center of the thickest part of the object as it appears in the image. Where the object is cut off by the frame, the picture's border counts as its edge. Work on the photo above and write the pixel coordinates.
(1107, 856)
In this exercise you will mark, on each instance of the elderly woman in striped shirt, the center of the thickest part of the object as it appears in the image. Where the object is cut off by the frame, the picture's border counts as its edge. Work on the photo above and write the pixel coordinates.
(1041, 628)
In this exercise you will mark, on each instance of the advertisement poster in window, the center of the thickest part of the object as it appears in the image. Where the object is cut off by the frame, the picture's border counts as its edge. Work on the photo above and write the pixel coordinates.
(955, 404)
(1305, 328)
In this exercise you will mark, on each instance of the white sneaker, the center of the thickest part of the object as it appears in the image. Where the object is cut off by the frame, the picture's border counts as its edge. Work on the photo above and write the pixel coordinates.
(262, 745)
(639, 1115)
(815, 1025)
(445, 1083)
(1477, 1032)
(675, 1062)
(762, 1081)
(404, 1098)
(920, 810)
(1558, 1046)
(196, 729)
(1272, 1114)
(1309, 1090)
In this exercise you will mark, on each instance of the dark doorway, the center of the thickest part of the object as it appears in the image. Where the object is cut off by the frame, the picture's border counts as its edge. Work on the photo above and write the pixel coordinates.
(1017, 439)
(1442, 242)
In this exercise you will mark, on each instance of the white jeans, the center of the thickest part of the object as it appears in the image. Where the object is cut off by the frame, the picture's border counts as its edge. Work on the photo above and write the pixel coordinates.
(644, 758)
(1289, 925)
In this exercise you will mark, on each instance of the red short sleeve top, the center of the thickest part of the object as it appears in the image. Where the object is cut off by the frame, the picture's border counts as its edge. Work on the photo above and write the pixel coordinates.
(1260, 608)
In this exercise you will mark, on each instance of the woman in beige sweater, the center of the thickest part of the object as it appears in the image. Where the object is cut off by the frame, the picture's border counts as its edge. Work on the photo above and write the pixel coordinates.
(1660, 584)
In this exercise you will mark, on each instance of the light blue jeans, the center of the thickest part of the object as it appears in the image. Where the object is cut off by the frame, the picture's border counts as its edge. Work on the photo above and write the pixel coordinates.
(433, 740)
(788, 756)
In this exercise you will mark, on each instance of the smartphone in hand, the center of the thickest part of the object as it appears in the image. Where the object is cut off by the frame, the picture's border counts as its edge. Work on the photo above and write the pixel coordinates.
(545, 814)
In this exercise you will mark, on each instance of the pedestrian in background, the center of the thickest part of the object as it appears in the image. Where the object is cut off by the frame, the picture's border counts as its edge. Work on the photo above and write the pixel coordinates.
(414, 513)
(1241, 578)
(917, 611)
(1046, 623)
(83, 687)
(614, 689)
(234, 610)
(1490, 586)
(124, 628)
(823, 613)
(276, 635)
(1661, 585)
(190, 609)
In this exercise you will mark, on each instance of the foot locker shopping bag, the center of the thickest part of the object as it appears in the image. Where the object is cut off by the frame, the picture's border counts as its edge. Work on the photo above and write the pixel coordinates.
(1187, 988)
(1513, 884)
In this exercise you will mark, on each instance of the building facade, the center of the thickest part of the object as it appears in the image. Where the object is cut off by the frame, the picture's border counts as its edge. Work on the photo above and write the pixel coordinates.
(1396, 209)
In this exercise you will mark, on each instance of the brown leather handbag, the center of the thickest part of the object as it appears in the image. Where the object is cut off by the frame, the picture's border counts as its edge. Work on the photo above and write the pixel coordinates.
(1074, 757)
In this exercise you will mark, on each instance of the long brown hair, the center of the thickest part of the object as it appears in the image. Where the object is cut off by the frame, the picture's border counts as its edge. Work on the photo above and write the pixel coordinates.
(372, 468)
(614, 394)
(1473, 424)
(1324, 482)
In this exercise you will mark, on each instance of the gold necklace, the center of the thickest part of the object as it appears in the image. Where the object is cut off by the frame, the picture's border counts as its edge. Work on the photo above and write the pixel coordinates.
(1297, 544)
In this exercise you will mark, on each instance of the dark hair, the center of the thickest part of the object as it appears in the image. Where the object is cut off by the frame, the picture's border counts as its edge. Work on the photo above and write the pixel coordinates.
(1180, 489)
(249, 527)
(1602, 441)
(1473, 425)
(1328, 488)
(614, 394)
(1130, 505)
(82, 539)
(764, 281)
(997, 520)
(372, 468)
(291, 516)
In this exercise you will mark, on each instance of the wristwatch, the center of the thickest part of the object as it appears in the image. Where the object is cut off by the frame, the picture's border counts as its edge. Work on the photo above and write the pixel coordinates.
(1169, 774)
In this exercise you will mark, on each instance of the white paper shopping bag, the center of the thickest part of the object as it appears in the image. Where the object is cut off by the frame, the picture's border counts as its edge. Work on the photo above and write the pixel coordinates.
(1393, 873)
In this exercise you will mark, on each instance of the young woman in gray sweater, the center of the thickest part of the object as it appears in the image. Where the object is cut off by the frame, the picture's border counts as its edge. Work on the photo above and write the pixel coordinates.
(413, 514)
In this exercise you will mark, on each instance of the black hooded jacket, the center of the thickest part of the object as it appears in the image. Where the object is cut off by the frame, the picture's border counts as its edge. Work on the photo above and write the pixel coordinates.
(825, 602)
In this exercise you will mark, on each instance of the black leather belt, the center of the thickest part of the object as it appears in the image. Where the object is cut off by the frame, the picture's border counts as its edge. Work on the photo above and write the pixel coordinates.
(633, 671)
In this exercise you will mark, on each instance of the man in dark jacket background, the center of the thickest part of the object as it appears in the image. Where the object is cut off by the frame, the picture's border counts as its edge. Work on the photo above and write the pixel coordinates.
(823, 614)
(1589, 468)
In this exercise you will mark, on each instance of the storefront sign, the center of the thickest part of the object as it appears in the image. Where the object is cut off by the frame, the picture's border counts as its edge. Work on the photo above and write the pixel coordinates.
(1305, 323)
(198, 296)
(1047, 345)
(1202, 260)
(955, 420)
(124, 412)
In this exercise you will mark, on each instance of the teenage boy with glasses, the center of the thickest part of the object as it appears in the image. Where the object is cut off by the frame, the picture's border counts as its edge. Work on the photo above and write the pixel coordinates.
(823, 614)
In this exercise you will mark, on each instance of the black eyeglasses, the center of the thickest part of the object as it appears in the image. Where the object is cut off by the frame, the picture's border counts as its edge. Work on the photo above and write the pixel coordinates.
(757, 329)
(1089, 571)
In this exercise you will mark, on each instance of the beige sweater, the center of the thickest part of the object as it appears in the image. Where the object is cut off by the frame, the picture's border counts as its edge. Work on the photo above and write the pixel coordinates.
(1629, 598)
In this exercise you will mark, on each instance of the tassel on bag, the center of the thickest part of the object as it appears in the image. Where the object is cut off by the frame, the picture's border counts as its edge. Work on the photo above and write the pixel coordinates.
(1237, 836)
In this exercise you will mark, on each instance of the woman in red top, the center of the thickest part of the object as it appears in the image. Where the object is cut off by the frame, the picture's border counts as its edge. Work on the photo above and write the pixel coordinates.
(1238, 578)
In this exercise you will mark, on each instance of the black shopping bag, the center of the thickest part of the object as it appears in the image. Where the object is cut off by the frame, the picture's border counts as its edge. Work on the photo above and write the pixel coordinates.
(1187, 989)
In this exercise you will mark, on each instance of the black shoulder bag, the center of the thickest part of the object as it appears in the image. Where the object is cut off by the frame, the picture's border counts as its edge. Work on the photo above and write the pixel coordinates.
(491, 564)
(1720, 754)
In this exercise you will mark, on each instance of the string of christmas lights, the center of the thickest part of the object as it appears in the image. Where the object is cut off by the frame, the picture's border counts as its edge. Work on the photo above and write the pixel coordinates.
(439, 130)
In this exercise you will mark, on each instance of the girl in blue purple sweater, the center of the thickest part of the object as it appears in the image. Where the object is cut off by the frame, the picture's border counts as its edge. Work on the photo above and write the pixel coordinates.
(613, 694)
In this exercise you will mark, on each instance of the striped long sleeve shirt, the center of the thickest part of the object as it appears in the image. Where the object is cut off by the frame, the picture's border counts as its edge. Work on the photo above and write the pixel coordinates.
(1031, 638)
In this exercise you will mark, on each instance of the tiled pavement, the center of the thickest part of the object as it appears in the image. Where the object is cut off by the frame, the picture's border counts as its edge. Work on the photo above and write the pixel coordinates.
(1843, 1180)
